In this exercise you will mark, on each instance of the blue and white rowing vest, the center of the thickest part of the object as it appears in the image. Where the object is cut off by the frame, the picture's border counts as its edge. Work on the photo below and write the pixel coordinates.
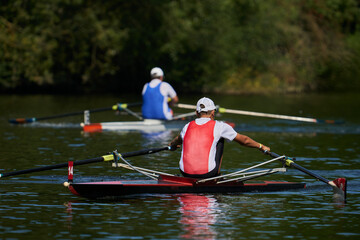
(154, 103)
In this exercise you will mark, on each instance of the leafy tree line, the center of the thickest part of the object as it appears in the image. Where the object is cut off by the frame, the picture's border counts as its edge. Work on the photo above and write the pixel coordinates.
(202, 45)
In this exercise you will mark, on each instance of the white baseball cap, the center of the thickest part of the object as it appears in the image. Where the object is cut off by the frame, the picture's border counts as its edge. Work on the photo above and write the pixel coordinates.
(156, 72)
(205, 104)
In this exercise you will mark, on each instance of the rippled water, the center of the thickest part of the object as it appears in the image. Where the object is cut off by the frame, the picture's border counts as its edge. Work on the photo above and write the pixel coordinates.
(38, 206)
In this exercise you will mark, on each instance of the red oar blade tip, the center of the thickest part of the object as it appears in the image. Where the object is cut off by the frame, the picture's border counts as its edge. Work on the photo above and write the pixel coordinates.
(339, 187)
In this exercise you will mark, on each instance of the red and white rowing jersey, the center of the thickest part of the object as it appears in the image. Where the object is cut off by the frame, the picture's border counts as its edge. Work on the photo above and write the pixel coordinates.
(200, 138)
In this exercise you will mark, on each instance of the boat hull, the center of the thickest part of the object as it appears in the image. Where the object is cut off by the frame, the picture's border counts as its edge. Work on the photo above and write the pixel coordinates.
(151, 125)
(117, 189)
(147, 125)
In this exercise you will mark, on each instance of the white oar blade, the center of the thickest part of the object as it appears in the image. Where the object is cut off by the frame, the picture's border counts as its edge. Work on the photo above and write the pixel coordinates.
(339, 187)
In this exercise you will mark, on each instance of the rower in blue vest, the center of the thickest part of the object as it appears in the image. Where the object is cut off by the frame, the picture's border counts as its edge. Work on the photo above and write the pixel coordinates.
(156, 95)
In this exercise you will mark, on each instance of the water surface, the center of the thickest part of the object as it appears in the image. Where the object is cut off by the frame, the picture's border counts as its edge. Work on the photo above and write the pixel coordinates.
(38, 206)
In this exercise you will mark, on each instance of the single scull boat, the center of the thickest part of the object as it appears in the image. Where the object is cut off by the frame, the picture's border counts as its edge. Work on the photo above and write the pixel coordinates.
(147, 125)
(173, 185)
(164, 183)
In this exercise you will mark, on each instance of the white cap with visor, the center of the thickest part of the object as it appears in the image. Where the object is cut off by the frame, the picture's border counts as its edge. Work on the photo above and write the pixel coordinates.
(204, 105)
(156, 72)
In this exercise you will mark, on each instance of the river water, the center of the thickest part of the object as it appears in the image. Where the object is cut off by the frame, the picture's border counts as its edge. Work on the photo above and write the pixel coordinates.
(38, 206)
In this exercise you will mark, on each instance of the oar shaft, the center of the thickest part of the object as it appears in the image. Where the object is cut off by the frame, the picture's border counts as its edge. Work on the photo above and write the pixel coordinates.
(50, 167)
(31, 120)
(119, 106)
(300, 168)
(183, 105)
(74, 113)
(304, 170)
(85, 161)
(181, 116)
(132, 113)
(248, 113)
(269, 115)
(144, 151)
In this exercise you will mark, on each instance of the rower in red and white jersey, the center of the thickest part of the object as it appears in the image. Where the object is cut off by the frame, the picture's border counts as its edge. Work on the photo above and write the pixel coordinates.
(203, 142)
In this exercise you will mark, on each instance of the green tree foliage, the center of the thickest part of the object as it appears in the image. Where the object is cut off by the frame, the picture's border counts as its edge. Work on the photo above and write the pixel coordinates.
(203, 45)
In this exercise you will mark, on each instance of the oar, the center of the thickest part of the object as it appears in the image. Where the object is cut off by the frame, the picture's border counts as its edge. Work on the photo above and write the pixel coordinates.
(119, 106)
(339, 185)
(104, 158)
(182, 116)
(131, 113)
(269, 115)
